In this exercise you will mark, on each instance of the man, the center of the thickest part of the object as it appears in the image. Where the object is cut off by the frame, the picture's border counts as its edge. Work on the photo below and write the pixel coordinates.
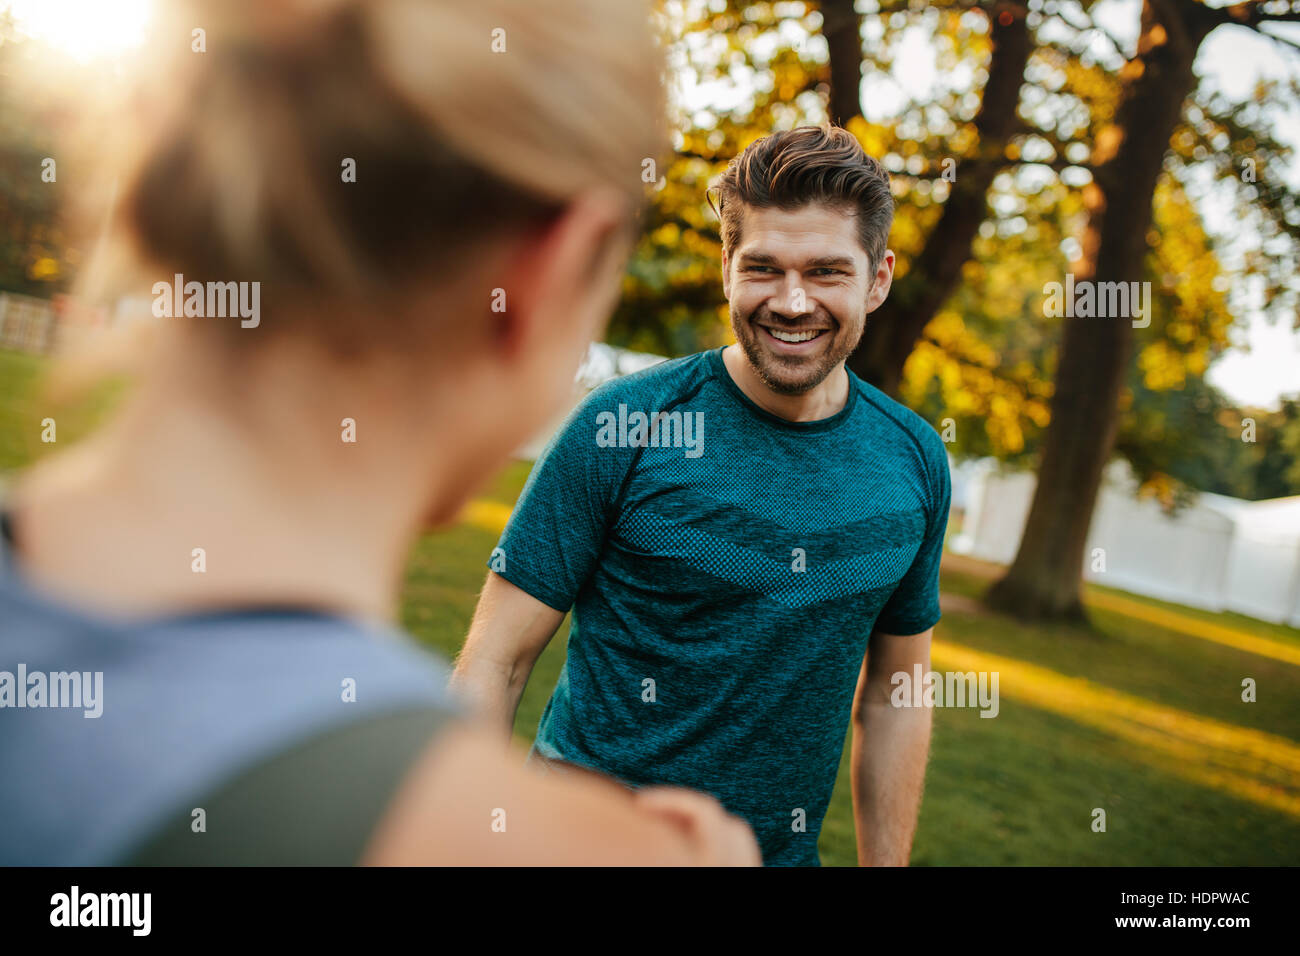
(733, 530)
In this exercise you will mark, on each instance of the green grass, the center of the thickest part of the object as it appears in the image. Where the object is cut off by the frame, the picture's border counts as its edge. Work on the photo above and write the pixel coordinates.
(1016, 790)
(1019, 789)
(1160, 664)
(443, 578)
(25, 404)
(19, 422)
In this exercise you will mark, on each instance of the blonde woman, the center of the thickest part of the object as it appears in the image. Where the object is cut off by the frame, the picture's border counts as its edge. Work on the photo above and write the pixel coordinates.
(427, 204)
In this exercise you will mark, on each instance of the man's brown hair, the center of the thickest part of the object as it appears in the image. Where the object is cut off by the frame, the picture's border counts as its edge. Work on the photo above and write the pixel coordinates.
(789, 169)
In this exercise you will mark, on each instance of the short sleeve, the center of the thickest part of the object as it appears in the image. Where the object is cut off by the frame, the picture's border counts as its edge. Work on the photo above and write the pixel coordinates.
(557, 530)
(914, 605)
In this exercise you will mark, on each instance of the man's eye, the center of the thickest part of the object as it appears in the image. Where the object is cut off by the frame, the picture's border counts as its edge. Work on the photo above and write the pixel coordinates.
(758, 268)
(827, 271)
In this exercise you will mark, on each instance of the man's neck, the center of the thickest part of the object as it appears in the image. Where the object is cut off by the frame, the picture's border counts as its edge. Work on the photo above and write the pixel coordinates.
(822, 401)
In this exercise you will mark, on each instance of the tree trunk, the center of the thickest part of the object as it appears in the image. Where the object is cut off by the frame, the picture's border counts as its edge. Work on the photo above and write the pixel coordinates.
(1044, 581)
(842, 28)
(893, 330)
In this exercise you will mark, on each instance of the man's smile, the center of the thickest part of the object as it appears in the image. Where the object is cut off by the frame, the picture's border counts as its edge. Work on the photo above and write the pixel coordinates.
(792, 340)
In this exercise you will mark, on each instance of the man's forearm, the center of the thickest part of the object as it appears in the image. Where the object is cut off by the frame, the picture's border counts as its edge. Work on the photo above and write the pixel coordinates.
(509, 631)
(889, 753)
(492, 688)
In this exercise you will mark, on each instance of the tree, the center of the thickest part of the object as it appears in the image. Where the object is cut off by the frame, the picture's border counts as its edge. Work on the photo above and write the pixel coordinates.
(985, 359)
(1127, 160)
(931, 276)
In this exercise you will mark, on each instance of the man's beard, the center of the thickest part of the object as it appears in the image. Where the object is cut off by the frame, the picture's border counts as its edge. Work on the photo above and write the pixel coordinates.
(789, 375)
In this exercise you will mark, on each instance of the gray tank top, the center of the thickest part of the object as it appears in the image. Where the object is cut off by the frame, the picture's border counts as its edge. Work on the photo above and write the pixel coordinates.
(112, 733)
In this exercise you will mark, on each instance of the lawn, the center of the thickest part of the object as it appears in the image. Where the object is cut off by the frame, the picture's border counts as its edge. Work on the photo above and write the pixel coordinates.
(1140, 716)
(1021, 789)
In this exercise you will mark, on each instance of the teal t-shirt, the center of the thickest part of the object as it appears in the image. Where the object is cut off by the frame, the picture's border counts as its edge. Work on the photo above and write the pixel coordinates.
(725, 568)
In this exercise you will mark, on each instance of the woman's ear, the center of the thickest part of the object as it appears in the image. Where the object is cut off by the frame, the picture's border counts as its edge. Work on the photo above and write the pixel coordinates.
(563, 280)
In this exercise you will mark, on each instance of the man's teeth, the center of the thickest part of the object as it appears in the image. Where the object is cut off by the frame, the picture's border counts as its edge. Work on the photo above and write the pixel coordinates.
(795, 336)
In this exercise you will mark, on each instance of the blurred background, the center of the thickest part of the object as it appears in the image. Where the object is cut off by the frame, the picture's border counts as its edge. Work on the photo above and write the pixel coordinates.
(1141, 602)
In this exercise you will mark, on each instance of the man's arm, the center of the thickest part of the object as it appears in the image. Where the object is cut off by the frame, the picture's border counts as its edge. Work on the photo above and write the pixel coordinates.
(510, 630)
(890, 749)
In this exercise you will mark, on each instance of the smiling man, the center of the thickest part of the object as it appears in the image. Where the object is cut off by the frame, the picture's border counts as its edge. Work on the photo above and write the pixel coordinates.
(736, 608)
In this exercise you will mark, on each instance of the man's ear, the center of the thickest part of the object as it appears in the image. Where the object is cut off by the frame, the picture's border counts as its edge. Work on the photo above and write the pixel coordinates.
(726, 276)
(881, 282)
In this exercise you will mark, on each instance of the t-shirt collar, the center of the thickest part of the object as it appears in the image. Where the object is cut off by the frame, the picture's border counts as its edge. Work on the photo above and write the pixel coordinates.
(822, 424)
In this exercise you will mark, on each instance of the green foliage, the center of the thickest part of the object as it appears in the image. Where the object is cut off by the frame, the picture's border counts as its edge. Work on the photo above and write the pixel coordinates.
(987, 357)
(26, 401)
(34, 253)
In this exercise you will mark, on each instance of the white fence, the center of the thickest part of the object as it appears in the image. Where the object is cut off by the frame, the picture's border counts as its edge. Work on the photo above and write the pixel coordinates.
(1219, 554)
(26, 323)
(29, 324)
(602, 363)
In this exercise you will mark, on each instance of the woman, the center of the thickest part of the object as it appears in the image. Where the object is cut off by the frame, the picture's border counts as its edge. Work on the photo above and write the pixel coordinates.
(422, 208)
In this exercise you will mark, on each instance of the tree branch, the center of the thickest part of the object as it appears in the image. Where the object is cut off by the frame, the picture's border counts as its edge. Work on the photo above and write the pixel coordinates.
(1083, 28)
(1278, 39)
(1252, 14)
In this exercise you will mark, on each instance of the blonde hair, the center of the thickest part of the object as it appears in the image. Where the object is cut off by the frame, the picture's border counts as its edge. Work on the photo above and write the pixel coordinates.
(465, 119)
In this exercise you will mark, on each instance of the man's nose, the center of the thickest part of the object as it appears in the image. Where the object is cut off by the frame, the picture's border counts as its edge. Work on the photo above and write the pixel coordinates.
(792, 300)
